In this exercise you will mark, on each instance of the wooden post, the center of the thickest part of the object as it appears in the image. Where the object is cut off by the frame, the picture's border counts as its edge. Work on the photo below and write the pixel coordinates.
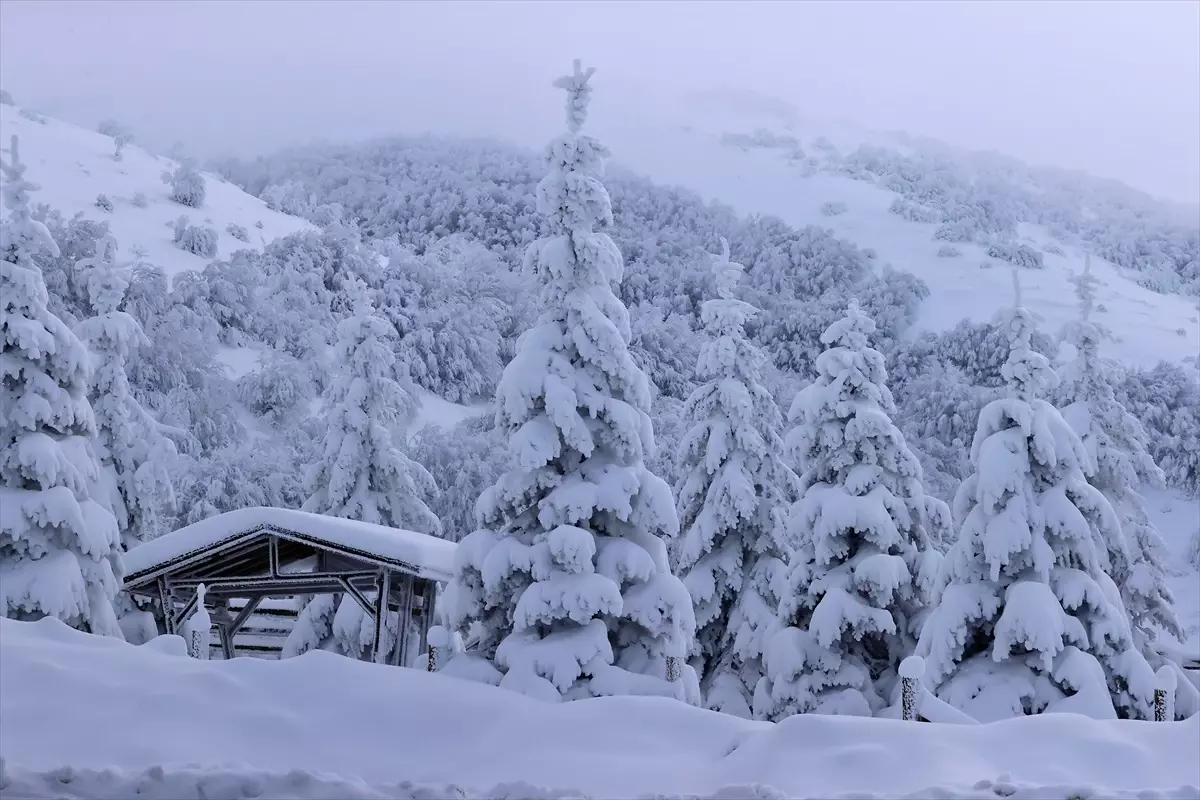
(1164, 694)
(674, 668)
(383, 586)
(168, 608)
(912, 669)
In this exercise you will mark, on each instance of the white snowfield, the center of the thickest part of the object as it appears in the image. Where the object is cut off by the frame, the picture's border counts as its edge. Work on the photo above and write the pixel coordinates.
(435, 557)
(73, 165)
(1150, 327)
(321, 725)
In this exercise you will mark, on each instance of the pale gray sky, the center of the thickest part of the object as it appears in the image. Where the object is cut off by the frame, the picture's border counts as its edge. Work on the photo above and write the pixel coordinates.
(1110, 87)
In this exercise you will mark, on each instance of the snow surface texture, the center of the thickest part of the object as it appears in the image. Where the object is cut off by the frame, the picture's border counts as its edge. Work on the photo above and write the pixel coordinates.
(434, 556)
(760, 180)
(237, 727)
(73, 165)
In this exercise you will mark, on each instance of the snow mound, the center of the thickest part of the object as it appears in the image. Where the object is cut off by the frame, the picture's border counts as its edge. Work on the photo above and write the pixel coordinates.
(178, 727)
(73, 165)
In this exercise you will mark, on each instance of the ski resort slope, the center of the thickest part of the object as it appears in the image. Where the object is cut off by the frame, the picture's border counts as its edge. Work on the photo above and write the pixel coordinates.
(321, 725)
(688, 152)
(72, 166)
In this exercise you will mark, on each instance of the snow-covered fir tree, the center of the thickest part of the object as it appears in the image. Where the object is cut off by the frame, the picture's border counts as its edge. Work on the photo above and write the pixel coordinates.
(60, 550)
(363, 473)
(1026, 619)
(864, 564)
(567, 590)
(734, 492)
(1118, 450)
(134, 455)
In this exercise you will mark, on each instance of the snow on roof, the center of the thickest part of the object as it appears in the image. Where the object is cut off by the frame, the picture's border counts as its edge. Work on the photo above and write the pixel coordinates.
(434, 557)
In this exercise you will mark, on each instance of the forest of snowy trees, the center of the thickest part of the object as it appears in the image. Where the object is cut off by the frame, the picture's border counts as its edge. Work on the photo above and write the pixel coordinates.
(635, 514)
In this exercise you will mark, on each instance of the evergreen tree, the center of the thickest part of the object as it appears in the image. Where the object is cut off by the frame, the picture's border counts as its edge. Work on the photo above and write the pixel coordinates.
(362, 474)
(568, 589)
(1026, 620)
(1117, 446)
(733, 497)
(864, 563)
(59, 548)
(134, 455)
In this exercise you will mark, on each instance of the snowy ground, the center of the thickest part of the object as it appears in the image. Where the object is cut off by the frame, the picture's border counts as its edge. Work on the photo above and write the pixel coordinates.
(73, 165)
(145, 720)
(1149, 327)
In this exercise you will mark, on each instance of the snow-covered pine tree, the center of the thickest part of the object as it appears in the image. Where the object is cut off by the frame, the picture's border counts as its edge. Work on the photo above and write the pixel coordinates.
(60, 550)
(863, 564)
(363, 473)
(733, 496)
(134, 455)
(1026, 620)
(568, 590)
(1134, 553)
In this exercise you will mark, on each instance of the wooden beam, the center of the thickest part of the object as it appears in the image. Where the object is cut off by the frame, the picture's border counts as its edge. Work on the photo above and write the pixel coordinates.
(226, 642)
(273, 556)
(296, 581)
(168, 606)
(358, 596)
(243, 615)
(384, 585)
(431, 590)
(406, 606)
(187, 608)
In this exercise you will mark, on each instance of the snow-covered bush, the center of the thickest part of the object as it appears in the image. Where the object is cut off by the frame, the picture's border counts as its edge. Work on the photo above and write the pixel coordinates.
(464, 460)
(913, 212)
(121, 135)
(288, 198)
(6, 99)
(948, 251)
(139, 200)
(103, 203)
(1025, 620)
(833, 208)
(864, 563)
(194, 239)
(277, 391)
(33, 116)
(1192, 555)
(567, 589)
(733, 493)
(187, 185)
(238, 232)
(1021, 255)
(60, 549)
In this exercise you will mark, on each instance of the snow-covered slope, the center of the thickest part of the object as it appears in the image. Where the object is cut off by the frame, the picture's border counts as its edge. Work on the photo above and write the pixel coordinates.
(689, 152)
(72, 166)
(156, 723)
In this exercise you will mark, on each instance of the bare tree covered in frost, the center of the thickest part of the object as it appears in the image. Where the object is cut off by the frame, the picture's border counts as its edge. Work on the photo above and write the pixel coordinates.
(568, 590)
(1133, 553)
(362, 473)
(187, 185)
(134, 455)
(1026, 620)
(59, 548)
(864, 564)
(733, 496)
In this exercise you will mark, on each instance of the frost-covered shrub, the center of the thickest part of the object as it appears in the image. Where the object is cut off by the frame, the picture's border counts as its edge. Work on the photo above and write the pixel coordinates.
(1053, 249)
(833, 208)
(194, 239)
(914, 212)
(139, 200)
(1021, 255)
(288, 198)
(1166, 400)
(277, 391)
(765, 139)
(258, 224)
(103, 203)
(33, 116)
(1192, 555)
(187, 185)
(238, 232)
(6, 99)
(948, 251)
(77, 239)
(327, 214)
(464, 460)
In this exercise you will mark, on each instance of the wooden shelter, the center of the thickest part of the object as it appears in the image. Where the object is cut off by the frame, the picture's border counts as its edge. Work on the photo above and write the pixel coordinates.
(256, 553)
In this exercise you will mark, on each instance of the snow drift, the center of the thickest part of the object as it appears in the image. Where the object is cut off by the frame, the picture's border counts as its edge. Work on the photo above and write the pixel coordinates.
(86, 716)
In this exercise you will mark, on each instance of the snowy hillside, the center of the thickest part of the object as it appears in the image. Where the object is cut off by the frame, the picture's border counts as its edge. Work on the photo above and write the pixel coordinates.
(72, 166)
(244, 728)
(726, 157)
